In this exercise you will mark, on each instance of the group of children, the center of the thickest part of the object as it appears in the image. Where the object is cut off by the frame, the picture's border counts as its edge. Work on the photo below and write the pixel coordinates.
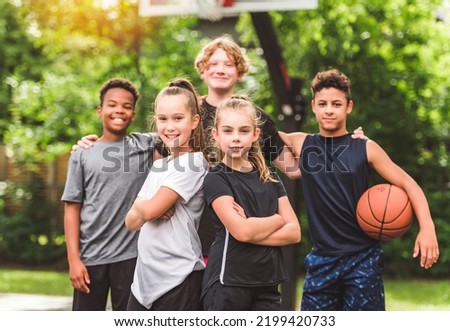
(198, 224)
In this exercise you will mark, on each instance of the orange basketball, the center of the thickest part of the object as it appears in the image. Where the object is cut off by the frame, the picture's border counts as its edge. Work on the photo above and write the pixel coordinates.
(384, 212)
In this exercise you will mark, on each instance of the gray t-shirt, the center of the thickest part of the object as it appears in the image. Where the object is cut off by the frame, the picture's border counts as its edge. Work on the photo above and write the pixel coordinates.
(170, 250)
(106, 179)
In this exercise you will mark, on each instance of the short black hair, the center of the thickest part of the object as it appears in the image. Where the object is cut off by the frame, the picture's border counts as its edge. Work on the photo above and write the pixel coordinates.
(122, 83)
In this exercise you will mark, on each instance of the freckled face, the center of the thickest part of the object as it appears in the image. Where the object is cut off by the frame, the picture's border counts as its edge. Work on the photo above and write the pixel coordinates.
(221, 73)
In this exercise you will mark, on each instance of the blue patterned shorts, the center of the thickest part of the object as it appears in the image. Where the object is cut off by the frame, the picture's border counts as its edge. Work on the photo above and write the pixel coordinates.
(353, 282)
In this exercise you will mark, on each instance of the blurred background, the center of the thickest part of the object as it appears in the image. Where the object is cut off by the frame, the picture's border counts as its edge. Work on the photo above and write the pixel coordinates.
(54, 56)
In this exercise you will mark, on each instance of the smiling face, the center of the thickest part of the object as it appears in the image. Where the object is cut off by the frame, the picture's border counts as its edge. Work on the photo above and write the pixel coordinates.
(221, 73)
(117, 113)
(331, 107)
(235, 134)
(175, 123)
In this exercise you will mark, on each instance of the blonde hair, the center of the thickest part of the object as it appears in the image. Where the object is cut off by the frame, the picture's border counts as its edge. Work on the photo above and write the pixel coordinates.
(233, 50)
(182, 86)
(255, 156)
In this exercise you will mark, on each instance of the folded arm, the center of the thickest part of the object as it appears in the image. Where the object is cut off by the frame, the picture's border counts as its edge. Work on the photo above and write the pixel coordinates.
(147, 210)
(242, 228)
(290, 232)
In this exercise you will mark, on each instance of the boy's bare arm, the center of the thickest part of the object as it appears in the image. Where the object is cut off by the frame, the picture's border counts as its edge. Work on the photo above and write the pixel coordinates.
(78, 273)
(426, 244)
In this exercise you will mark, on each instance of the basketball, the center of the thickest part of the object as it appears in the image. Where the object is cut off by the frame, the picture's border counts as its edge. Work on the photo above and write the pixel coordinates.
(384, 212)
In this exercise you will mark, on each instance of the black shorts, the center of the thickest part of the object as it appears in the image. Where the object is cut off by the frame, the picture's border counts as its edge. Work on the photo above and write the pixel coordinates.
(221, 297)
(116, 277)
(185, 296)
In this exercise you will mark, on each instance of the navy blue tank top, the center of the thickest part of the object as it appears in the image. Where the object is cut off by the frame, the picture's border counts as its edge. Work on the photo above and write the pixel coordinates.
(335, 174)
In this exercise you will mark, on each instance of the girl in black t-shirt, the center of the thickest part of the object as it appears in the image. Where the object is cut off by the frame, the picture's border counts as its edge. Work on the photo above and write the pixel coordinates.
(252, 217)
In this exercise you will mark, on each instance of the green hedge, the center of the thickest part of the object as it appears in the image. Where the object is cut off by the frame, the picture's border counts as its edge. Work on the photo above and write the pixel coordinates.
(29, 235)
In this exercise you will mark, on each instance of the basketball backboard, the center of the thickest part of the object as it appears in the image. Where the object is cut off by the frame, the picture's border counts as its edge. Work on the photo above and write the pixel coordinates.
(204, 8)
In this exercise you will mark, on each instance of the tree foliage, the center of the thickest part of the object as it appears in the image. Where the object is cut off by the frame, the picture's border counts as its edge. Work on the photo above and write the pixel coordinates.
(84, 45)
(19, 58)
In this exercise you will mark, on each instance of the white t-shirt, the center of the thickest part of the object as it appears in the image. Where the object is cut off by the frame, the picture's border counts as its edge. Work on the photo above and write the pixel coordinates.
(169, 250)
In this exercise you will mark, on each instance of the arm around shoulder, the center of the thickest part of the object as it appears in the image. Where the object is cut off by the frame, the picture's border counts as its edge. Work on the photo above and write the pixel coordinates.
(294, 141)
(289, 159)
(85, 142)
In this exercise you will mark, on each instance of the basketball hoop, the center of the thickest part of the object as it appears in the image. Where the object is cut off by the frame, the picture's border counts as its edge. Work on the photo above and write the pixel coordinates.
(214, 10)
(211, 9)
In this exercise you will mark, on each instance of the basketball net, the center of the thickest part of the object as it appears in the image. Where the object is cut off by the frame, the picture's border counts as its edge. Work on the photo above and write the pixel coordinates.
(210, 9)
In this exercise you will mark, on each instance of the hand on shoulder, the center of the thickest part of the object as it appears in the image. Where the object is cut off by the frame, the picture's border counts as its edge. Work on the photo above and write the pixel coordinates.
(358, 133)
(85, 142)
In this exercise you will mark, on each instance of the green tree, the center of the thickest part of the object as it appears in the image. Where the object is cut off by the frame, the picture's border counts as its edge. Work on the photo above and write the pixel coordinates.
(19, 58)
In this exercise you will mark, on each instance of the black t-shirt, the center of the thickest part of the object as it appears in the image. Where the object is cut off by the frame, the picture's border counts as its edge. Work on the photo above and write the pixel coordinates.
(230, 261)
(271, 146)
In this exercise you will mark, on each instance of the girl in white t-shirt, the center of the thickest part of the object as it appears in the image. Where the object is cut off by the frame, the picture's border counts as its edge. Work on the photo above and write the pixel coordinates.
(167, 211)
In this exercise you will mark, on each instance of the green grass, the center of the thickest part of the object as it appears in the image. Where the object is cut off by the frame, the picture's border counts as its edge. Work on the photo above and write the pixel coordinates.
(401, 295)
(35, 282)
(417, 295)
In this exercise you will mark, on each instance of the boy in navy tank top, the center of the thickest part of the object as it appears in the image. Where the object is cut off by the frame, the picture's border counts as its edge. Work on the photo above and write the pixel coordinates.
(345, 266)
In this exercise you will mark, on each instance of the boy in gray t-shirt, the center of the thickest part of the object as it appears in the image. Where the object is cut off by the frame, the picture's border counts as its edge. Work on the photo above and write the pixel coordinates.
(102, 183)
